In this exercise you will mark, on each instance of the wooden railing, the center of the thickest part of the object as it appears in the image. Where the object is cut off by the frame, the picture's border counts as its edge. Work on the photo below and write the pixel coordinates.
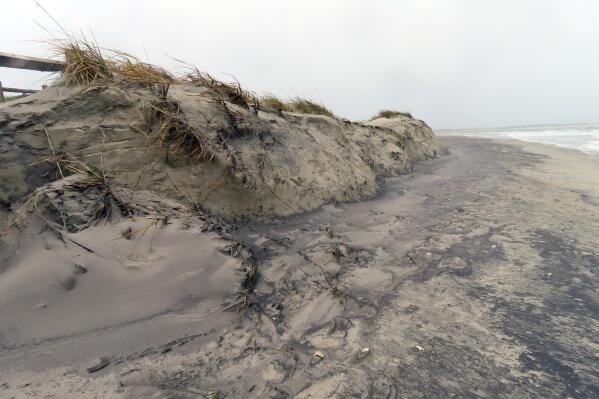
(9, 60)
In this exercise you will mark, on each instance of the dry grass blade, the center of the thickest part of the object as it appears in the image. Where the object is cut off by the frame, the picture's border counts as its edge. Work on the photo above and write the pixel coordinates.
(175, 135)
(272, 101)
(76, 166)
(135, 71)
(96, 202)
(298, 104)
(132, 70)
(194, 205)
(304, 106)
(386, 113)
(102, 155)
(231, 92)
(333, 285)
(17, 214)
(84, 62)
(54, 154)
(66, 162)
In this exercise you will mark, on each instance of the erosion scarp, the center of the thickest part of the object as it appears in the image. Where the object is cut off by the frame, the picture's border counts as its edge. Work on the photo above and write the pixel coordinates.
(130, 206)
(201, 148)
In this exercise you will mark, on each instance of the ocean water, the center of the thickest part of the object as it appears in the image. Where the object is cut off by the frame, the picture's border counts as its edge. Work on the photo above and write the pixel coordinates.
(583, 137)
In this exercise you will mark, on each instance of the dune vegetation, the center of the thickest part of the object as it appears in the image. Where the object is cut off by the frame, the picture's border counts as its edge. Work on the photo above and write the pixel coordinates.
(386, 113)
(86, 63)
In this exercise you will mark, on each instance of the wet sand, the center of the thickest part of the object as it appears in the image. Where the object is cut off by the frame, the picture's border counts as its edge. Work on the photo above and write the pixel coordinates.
(473, 276)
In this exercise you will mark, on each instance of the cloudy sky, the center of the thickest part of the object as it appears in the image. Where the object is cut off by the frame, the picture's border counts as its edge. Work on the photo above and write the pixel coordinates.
(453, 63)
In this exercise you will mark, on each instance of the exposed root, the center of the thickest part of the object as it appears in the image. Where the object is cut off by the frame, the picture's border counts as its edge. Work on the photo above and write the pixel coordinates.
(66, 162)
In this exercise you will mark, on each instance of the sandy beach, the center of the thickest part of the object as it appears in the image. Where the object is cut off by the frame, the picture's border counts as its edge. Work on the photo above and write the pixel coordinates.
(473, 276)
(299, 200)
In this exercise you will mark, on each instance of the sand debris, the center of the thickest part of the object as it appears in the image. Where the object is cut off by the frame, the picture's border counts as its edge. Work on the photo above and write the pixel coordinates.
(102, 363)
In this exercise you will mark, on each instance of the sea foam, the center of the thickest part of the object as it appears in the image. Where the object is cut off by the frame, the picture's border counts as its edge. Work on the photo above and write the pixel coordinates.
(580, 137)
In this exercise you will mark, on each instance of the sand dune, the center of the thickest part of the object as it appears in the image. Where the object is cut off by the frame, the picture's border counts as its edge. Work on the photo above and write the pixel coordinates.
(183, 240)
(263, 162)
(110, 251)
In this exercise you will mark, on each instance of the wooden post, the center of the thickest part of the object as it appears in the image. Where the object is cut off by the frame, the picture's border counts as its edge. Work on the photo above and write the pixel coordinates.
(15, 90)
(9, 60)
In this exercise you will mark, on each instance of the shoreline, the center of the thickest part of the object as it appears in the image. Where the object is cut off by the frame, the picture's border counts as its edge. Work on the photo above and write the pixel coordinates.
(476, 274)
(520, 140)
(582, 175)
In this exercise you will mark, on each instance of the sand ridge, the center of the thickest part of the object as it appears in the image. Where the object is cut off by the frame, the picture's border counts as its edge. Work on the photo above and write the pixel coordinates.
(260, 162)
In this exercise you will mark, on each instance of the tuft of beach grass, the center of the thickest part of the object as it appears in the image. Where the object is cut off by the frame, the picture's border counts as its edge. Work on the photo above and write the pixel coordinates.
(305, 106)
(231, 92)
(173, 134)
(84, 62)
(387, 113)
(272, 101)
(297, 104)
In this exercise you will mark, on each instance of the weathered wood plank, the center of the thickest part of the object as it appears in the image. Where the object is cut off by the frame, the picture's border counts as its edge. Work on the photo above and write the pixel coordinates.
(13, 90)
(9, 60)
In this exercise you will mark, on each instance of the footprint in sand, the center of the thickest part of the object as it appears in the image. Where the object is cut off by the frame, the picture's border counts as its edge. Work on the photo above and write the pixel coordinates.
(69, 283)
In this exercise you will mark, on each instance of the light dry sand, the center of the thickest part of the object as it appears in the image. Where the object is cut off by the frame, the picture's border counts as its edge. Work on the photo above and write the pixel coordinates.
(474, 276)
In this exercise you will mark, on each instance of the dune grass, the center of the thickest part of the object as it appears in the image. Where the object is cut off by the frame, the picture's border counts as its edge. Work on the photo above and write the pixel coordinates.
(272, 101)
(87, 64)
(132, 70)
(297, 104)
(386, 113)
(304, 106)
(231, 92)
(84, 62)
(174, 135)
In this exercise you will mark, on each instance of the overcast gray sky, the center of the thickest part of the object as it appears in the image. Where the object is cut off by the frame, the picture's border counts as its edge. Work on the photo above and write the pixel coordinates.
(453, 63)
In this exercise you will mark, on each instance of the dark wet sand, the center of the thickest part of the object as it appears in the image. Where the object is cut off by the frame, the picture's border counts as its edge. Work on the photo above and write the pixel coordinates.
(473, 277)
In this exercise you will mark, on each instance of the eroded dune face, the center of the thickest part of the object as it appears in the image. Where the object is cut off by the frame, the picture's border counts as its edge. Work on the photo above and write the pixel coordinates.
(107, 246)
(224, 158)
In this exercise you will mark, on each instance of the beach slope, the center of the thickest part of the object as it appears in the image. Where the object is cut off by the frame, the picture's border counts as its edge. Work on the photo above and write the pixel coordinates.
(473, 276)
